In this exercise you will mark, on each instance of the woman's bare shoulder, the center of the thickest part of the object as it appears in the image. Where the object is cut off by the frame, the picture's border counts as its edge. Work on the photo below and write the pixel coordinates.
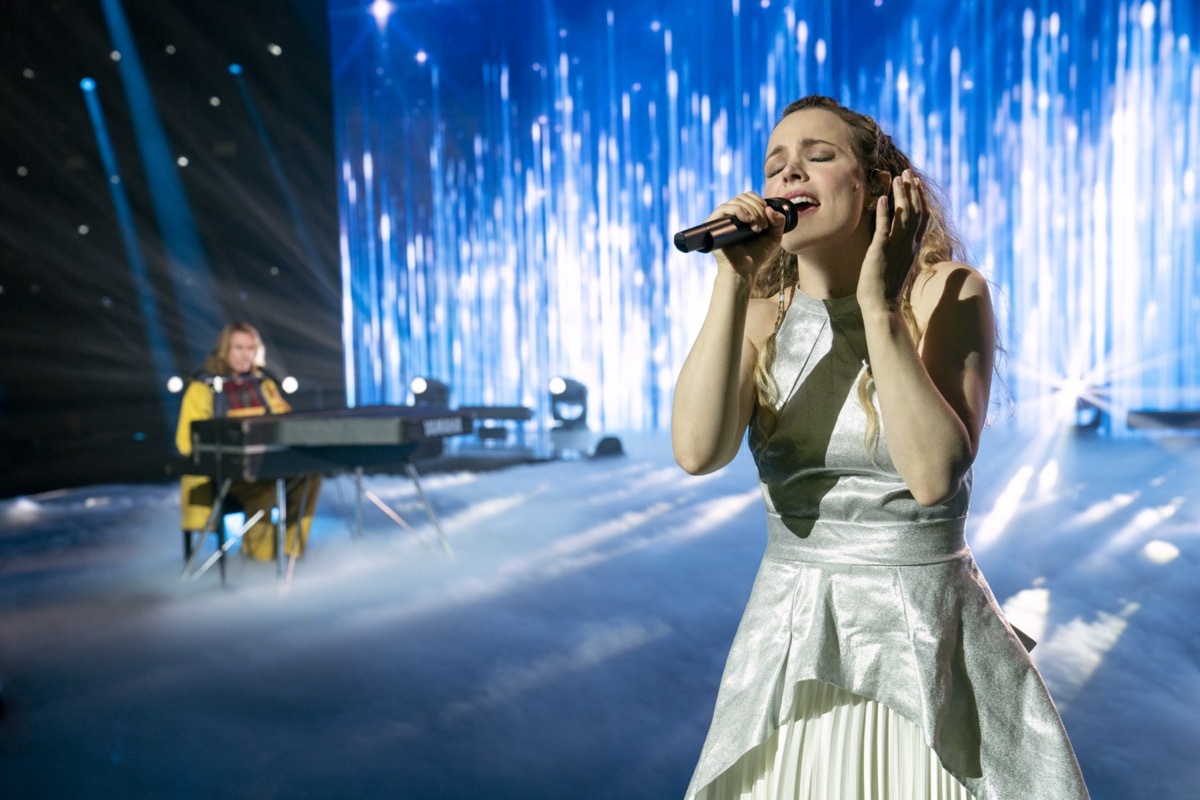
(946, 281)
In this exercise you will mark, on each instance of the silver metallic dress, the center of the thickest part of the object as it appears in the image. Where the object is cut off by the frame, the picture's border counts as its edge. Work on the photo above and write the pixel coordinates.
(863, 588)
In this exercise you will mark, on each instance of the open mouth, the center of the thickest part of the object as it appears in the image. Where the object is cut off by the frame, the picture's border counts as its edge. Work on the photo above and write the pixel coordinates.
(804, 203)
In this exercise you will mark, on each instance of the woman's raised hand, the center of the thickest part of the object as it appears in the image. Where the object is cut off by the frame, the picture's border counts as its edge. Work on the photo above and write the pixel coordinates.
(895, 245)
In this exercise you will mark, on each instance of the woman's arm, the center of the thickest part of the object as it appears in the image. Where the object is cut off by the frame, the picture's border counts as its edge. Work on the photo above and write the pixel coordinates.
(933, 399)
(714, 394)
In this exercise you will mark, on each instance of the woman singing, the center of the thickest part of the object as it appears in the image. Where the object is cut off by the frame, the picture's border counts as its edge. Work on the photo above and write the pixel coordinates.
(872, 661)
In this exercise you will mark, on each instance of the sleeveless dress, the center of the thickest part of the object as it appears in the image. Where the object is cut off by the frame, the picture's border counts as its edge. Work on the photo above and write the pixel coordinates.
(871, 650)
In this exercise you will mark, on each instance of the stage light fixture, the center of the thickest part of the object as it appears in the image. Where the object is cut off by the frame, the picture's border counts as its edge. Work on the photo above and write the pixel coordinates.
(568, 402)
(175, 384)
(430, 392)
(1088, 416)
(289, 385)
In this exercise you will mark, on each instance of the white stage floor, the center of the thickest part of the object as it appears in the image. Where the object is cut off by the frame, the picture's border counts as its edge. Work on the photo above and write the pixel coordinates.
(572, 647)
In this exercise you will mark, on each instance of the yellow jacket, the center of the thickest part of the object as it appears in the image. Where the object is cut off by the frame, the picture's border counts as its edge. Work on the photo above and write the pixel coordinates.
(198, 404)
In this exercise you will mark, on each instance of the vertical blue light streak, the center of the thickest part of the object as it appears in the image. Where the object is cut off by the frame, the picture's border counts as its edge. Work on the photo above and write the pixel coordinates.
(156, 338)
(186, 259)
(303, 232)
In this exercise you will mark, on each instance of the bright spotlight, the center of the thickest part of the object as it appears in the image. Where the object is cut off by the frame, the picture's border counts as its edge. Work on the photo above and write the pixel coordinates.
(235, 69)
(88, 85)
(381, 10)
(1073, 387)
(289, 385)
(175, 384)
(1077, 398)
(568, 402)
(430, 392)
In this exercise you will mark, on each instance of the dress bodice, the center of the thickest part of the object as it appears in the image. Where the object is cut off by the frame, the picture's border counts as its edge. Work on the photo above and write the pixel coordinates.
(813, 459)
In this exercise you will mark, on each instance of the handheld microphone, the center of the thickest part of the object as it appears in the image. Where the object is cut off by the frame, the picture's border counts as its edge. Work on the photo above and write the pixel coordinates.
(724, 231)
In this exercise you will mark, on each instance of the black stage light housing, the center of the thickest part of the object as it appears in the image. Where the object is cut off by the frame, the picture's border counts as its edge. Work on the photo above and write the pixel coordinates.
(430, 392)
(568, 402)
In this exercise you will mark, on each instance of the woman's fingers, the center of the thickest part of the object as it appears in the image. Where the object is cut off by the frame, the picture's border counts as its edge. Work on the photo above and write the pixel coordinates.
(747, 207)
(882, 212)
(910, 220)
(747, 256)
(923, 225)
(900, 218)
(907, 210)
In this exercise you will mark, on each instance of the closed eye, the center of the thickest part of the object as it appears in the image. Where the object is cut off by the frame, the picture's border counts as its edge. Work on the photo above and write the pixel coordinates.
(774, 170)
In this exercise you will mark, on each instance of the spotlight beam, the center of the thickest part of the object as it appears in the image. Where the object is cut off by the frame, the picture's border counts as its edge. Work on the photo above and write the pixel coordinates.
(156, 338)
(303, 232)
(192, 276)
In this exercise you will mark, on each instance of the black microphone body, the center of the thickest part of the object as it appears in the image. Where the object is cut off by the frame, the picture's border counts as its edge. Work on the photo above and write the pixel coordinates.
(718, 233)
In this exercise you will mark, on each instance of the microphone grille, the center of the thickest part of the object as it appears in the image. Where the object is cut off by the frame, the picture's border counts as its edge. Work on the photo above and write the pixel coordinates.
(785, 207)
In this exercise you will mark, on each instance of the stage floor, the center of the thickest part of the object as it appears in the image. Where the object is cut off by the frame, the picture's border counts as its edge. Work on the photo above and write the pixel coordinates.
(572, 646)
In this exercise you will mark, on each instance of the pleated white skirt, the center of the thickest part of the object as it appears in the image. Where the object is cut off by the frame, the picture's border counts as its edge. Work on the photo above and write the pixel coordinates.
(836, 745)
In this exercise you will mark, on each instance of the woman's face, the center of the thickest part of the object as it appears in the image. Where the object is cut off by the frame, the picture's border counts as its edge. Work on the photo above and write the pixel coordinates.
(810, 162)
(243, 348)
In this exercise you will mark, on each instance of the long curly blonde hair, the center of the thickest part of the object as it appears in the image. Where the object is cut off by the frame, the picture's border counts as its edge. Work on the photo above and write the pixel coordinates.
(875, 152)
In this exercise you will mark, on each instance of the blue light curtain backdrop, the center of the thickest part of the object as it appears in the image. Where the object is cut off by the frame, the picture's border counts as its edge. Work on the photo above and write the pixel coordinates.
(512, 173)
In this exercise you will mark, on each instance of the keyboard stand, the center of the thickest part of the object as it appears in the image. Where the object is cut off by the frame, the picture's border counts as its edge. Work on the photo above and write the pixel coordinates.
(360, 493)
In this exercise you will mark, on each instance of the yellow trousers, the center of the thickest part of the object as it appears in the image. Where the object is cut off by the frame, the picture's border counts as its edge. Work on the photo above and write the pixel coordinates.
(259, 541)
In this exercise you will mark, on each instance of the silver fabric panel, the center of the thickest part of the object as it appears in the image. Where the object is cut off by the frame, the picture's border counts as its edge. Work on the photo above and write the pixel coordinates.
(865, 589)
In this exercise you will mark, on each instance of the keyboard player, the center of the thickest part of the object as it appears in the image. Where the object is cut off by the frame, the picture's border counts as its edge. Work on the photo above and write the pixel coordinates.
(232, 383)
